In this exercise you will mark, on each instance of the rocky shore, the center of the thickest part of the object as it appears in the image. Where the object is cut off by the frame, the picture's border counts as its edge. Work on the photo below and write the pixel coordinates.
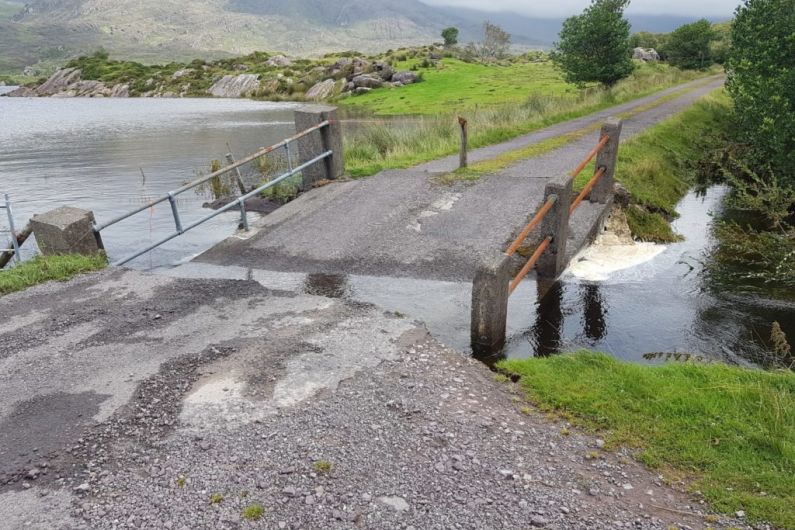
(346, 76)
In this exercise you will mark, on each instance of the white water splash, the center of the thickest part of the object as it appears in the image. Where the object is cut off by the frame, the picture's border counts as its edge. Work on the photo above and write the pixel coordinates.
(596, 263)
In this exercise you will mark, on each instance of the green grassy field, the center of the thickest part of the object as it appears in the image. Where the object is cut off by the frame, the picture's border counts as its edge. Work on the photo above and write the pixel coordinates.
(45, 268)
(456, 85)
(728, 431)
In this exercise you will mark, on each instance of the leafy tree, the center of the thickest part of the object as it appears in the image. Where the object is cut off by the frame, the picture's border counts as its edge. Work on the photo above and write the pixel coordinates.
(761, 82)
(496, 41)
(450, 36)
(688, 46)
(721, 40)
(594, 46)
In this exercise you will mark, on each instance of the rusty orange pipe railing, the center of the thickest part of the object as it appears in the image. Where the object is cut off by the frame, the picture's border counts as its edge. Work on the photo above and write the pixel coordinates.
(595, 151)
(530, 264)
(532, 224)
(587, 189)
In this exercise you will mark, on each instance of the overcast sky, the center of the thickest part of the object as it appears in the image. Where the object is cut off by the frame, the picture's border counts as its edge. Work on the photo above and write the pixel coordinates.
(558, 8)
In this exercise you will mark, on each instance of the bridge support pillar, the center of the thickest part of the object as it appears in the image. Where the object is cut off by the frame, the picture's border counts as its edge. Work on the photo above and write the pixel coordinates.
(607, 157)
(555, 224)
(328, 138)
(66, 230)
(490, 304)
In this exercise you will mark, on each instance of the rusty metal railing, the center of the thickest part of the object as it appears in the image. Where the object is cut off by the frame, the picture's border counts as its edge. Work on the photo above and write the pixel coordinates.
(547, 207)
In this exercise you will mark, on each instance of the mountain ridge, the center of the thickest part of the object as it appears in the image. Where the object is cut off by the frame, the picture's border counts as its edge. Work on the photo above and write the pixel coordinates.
(49, 32)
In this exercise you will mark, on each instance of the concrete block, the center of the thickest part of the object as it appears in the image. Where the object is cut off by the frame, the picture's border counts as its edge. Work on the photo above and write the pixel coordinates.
(490, 305)
(326, 139)
(556, 224)
(603, 191)
(66, 230)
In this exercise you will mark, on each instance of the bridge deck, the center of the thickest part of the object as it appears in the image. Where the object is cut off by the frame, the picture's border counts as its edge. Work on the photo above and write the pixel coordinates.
(403, 223)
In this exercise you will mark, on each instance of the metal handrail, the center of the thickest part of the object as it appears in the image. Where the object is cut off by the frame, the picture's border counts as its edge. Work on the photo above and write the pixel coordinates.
(12, 229)
(530, 264)
(539, 216)
(587, 189)
(237, 203)
(190, 185)
(595, 151)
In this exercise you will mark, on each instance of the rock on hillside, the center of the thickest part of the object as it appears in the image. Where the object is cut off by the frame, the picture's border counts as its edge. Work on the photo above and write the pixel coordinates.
(58, 82)
(235, 86)
(646, 54)
(322, 90)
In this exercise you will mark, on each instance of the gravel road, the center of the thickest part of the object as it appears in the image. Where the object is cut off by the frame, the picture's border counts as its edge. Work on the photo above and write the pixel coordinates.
(324, 412)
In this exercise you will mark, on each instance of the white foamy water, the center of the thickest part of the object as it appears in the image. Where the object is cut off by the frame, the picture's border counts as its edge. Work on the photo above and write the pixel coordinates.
(599, 262)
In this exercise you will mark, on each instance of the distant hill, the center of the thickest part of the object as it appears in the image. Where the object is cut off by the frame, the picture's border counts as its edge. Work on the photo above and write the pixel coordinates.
(47, 32)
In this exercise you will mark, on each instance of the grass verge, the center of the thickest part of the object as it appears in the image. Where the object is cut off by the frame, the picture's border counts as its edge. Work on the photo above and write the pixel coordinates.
(729, 431)
(659, 165)
(373, 148)
(42, 269)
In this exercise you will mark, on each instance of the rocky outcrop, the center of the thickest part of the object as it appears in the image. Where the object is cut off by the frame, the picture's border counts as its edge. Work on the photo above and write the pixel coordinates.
(66, 83)
(322, 90)
(58, 82)
(646, 54)
(235, 86)
(367, 81)
(120, 91)
(383, 70)
(405, 78)
(22, 92)
(279, 61)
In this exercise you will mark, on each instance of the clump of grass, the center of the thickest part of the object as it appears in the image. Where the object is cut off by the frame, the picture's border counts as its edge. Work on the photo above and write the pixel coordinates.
(253, 512)
(730, 429)
(181, 481)
(217, 498)
(322, 466)
(41, 269)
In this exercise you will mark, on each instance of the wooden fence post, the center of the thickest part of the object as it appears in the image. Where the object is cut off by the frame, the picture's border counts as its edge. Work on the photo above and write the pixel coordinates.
(462, 155)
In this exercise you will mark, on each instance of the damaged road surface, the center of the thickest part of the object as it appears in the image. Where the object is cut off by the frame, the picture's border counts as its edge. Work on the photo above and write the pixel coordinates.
(132, 400)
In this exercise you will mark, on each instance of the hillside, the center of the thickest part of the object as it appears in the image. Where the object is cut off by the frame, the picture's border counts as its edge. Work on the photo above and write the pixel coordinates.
(43, 34)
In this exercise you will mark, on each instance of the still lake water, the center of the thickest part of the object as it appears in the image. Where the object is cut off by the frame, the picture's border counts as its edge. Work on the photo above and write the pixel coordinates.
(112, 155)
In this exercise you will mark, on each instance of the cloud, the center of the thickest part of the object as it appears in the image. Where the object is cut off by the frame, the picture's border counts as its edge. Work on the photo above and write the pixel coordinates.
(563, 8)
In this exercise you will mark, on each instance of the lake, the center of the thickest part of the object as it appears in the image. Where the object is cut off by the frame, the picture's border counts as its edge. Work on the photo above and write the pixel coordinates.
(112, 155)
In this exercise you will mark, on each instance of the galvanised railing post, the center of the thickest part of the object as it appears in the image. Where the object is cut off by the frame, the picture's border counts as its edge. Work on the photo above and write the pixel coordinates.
(12, 228)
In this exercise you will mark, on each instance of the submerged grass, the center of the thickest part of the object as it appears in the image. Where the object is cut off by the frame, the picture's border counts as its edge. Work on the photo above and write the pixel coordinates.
(41, 269)
(730, 431)
(371, 149)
